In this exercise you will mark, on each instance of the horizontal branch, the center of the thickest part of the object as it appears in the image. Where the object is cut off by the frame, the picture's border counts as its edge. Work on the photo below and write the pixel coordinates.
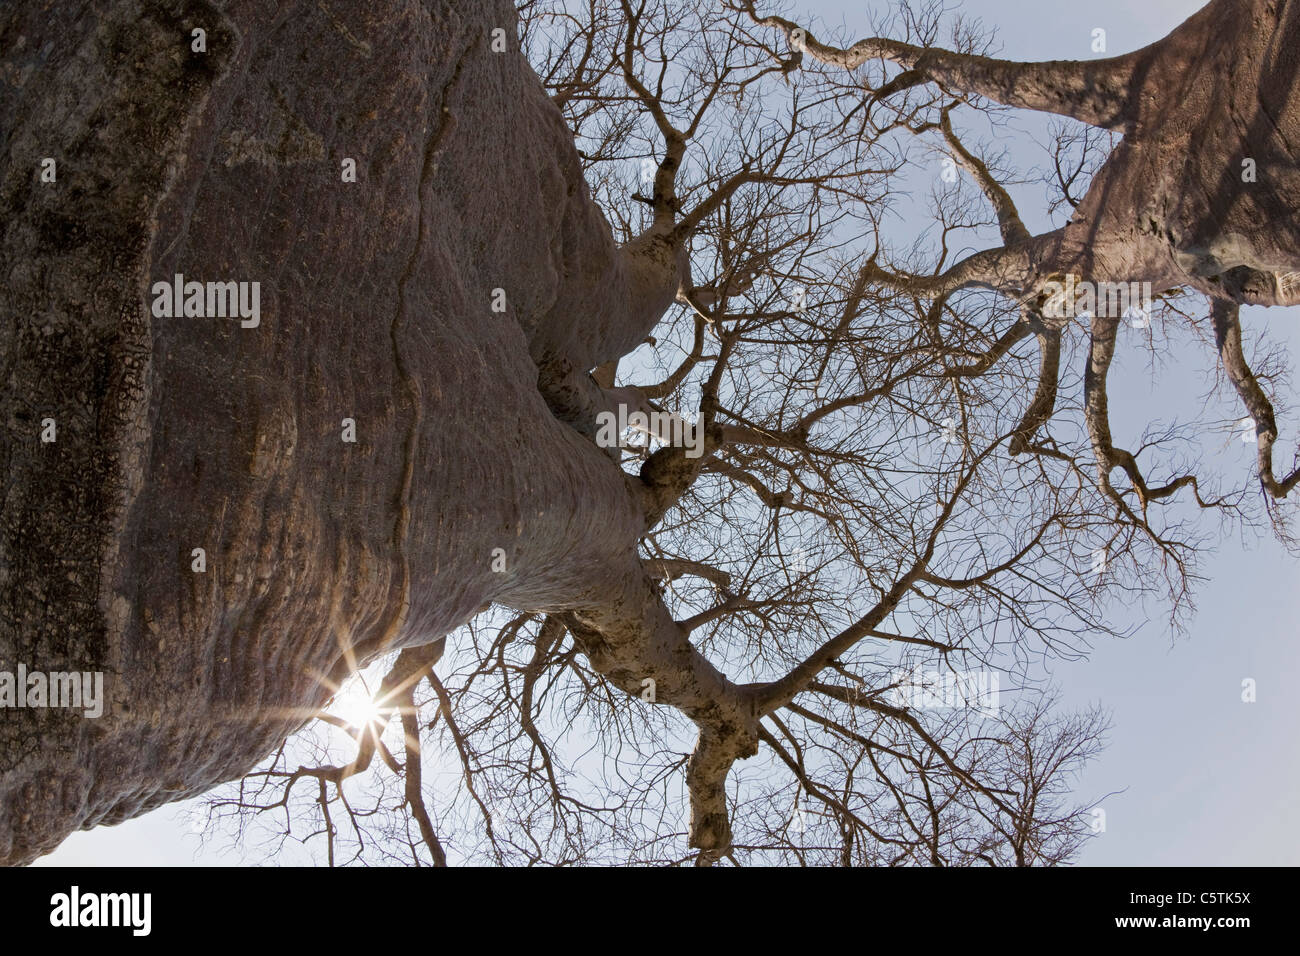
(1097, 92)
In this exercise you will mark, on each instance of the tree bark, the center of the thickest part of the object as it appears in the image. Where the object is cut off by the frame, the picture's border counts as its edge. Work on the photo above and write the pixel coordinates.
(1199, 193)
(376, 305)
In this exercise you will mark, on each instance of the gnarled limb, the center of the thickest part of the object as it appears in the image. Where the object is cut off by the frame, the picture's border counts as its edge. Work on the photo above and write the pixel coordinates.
(1009, 269)
(1097, 415)
(630, 636)
(1044, 400)
(1097, 92)
(673, 568)
(1009, 223)
(1227, 335)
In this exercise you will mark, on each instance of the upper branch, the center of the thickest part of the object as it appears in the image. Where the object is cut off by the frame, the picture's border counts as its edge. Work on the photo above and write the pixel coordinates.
(1097, 92)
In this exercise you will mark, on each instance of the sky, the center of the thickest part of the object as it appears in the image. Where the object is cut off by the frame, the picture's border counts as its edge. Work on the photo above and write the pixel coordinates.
(1205, 778)
(1192, 774)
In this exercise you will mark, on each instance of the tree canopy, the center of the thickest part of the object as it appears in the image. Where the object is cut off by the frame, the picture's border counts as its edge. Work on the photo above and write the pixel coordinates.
(814, 635)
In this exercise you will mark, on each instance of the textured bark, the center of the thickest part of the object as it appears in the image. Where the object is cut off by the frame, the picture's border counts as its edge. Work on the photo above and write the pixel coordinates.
(1227, 335)
(1171, 205)
(1096, 91)
(175, 434)
(473, 424)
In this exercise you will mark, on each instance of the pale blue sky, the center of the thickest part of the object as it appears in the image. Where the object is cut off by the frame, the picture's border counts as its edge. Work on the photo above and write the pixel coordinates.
(1207, 779)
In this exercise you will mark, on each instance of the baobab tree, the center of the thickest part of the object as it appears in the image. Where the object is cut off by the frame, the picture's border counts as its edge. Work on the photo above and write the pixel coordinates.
(503, 228)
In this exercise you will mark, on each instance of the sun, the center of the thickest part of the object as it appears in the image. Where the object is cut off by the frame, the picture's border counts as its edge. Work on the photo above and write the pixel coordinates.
(355, 704)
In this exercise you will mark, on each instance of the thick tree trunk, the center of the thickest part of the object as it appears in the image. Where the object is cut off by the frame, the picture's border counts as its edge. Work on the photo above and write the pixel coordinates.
(1200, 192)
(376, 305)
